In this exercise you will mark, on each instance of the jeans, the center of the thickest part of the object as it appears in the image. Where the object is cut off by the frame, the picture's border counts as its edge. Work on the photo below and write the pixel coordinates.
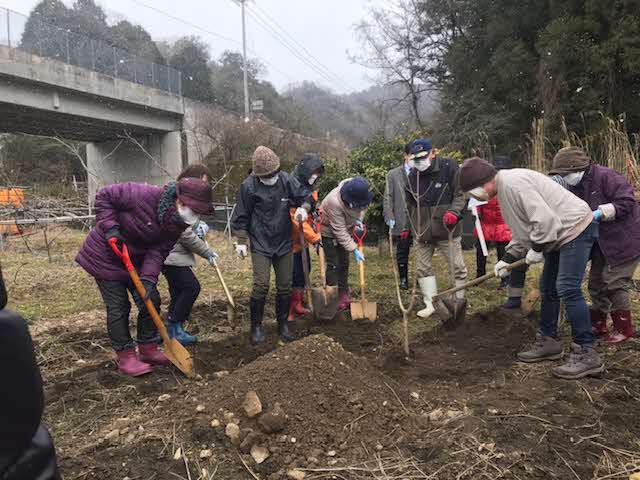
(562, 279)
(184, 289)
(337, 263)
(283, 266)
(116, 299)
(298, 271)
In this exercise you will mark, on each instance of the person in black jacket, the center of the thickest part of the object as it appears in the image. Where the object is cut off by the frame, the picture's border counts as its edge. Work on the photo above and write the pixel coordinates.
(26, 448)
(261, 218)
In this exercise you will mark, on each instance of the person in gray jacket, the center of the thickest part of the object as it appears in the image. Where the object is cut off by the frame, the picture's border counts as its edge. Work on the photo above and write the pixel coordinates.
(183, 284)
(548, 224)
(394, 209)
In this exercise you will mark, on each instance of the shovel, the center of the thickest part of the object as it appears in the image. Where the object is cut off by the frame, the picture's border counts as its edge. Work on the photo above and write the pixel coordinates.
(478, 281)
(530, 301)
(305, 270)
(231, 305)
(324, 299)
(363, 309)
(174, 351)
(457, 306)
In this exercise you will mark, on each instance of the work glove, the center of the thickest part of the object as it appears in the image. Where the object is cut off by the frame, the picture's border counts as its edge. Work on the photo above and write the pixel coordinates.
(301, 215)
(242, 250)
(318, 246)
(359, 255)
(114, 232)
(202, 229)
(500, 269)
(404, 234)
(391, 223)
(597, 215)
(358, 228)
(212, 258)
(450, 219)
(534, 257)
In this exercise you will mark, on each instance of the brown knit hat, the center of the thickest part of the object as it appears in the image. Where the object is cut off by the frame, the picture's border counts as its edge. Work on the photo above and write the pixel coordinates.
(475, 172)
(568, 160)
(265, 162)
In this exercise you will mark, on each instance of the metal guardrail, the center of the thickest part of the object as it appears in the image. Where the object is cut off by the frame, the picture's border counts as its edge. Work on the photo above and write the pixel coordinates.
(82, 51)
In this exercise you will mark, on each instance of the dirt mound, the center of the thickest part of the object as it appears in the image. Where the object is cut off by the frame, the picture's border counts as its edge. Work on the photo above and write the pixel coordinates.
(332, 400)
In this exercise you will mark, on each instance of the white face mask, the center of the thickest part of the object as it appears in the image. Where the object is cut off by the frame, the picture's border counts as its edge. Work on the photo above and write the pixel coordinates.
(411, 164)
(479, 193)
(269, 182)
(312, 179)
(574, 178)
(423, 165)
(187, 215)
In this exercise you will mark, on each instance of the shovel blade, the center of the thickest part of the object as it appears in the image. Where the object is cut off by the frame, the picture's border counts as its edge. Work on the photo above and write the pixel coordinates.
(325, 302)
(458, 308)
(179, 356)
(364, 310)
(530, 301)
(443, 310)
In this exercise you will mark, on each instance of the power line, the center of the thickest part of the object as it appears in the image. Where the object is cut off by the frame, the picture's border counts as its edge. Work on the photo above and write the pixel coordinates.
(327, 69)
(280, 39)
(214, 34)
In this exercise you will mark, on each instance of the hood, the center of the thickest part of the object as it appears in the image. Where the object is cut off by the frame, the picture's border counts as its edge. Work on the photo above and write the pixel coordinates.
(310, 163)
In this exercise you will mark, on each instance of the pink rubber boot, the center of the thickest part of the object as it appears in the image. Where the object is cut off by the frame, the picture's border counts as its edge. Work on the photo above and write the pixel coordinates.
(344, 300)
(129, 364)
(149, 353)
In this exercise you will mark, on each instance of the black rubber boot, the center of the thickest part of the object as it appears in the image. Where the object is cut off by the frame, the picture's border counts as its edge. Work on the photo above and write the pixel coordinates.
(282, 312)
(257, 312)
(403, 271)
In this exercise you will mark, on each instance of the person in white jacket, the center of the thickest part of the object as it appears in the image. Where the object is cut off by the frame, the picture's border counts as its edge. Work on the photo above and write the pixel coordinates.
(549, 224)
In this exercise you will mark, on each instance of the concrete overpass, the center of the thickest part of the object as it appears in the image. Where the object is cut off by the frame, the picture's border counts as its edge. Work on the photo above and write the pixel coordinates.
(41, 96)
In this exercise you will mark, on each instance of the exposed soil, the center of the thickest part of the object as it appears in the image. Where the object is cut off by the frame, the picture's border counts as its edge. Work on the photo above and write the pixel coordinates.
(460, 407)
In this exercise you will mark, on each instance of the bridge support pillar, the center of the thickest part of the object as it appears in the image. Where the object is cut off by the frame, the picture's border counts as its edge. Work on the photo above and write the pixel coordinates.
(154, 159)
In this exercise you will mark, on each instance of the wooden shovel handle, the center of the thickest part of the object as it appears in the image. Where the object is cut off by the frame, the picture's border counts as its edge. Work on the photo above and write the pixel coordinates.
(305, 265)
(224, 285)
(478, 280)
(323, 265)
(361, 268)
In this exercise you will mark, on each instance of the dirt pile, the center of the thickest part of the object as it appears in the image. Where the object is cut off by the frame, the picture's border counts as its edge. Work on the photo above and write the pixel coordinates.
(318, 404)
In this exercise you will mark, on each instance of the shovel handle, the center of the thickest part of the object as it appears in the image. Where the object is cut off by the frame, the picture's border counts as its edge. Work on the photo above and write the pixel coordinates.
(478, 280)
(224, 285)
(126, 260)
(361, 269)
(305, 266)
(323, 266)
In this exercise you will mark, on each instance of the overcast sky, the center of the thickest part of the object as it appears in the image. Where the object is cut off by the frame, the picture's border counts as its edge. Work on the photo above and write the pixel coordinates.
(323, 27)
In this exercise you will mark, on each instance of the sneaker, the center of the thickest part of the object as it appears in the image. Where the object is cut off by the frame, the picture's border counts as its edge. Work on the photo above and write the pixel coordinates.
(544, 348)
(584, 360)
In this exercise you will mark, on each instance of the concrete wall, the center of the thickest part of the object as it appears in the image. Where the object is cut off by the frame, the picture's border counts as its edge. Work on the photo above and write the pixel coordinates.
(123, 161)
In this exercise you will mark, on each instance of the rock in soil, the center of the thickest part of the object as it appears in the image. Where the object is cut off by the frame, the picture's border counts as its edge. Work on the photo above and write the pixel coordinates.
(252, 405)
(274, 421)
(233, 432)
(259, 454)
(295, 475)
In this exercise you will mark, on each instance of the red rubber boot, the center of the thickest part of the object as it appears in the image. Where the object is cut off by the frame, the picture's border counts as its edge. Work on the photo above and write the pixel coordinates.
(296, 308)
(149, 353)
(623, 328)
(129, 364)
(598, 323)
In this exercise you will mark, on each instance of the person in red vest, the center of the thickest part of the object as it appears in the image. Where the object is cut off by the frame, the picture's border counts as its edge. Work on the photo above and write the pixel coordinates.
(494, 229)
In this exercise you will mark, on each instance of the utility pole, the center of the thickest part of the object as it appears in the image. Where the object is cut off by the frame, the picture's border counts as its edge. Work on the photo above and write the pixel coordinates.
(244, 64)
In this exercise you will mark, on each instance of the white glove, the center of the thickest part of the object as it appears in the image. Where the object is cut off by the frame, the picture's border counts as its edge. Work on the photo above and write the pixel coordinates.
(500, 270)
(212, 258)
(301, 215)
(391, 223)
(534, 257)
(241, 250)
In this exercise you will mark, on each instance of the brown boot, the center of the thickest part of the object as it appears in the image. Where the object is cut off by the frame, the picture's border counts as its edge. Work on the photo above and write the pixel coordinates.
(623, 328)
(598, 323)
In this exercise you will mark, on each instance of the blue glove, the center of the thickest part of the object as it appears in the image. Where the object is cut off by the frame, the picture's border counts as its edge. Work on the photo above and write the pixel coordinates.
(202, 229)
(359, 255)
(391, 223)
(597, 215)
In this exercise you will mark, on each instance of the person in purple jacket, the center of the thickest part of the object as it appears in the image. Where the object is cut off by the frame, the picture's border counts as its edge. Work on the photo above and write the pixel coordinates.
(616, 254)
(149, 220)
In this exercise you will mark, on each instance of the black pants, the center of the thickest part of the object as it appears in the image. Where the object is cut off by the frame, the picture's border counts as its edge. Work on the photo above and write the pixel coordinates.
(337, 263)
(116, 299)
(481, 260)
(403, 248)
(298, 271)
(184, 289)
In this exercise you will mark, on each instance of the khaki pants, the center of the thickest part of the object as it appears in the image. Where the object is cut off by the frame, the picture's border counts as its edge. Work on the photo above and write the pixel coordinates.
(609, 286)
(424, 255)
(283, 266)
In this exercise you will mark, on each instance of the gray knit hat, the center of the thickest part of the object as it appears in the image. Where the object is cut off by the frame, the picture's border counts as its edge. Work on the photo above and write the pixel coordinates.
(568, 160)
(265, 162)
